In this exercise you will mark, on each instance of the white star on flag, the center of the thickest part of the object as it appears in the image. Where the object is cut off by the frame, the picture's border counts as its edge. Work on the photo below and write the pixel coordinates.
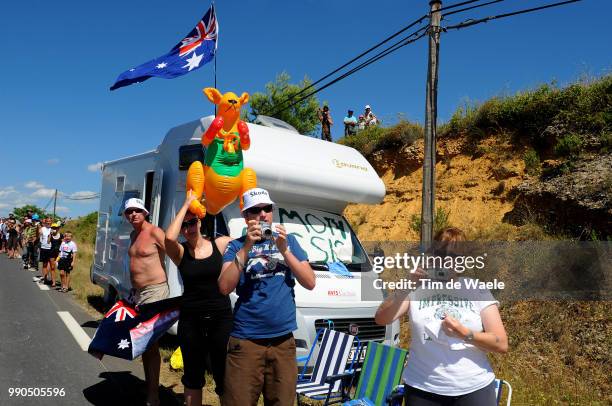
(194, 61)
(161, 65)
(123, 344)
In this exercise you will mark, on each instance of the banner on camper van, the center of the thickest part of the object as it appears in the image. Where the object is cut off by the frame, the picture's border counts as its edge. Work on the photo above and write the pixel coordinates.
(326, 237)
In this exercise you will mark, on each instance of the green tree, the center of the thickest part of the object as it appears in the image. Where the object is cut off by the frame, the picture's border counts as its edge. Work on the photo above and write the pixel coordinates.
(20, 212)
(303, 115)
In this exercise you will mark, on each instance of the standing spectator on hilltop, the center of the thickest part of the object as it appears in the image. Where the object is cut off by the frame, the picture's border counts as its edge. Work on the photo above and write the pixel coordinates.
(361, 125)
(369, 117)
(67, 259)
(350, 124)
(326, 123)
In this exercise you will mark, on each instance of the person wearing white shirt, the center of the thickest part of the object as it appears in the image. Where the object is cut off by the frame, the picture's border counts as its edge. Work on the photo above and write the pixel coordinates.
(451, 331)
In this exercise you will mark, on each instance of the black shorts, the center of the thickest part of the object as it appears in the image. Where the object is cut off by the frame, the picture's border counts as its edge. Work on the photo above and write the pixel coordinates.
(45, 255)
(13, 242)
(64, 264)
(54, 253)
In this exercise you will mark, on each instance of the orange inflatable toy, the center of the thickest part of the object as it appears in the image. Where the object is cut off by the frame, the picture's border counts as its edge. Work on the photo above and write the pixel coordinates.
(222, 178)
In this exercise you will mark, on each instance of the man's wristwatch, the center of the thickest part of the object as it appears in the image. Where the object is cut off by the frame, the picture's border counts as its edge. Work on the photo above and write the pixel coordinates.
(469, 337)
(238, 262)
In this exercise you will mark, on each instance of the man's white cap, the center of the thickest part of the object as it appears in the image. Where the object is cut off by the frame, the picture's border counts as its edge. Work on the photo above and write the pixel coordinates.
(254, 197)
(28, 221)
(368, 106)
(135, 203)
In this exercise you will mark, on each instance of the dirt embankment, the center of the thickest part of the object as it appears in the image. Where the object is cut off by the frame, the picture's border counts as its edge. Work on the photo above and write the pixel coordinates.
(474, 190)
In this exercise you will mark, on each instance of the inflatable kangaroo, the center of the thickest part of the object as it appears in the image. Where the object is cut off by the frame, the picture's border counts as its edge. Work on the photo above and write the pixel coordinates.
(222, 178)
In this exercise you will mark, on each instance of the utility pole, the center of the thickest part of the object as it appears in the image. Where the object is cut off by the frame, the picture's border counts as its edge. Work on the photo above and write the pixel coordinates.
(54, 204)
(431, 112)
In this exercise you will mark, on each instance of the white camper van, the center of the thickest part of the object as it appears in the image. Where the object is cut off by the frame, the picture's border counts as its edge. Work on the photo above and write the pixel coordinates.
(311, 182)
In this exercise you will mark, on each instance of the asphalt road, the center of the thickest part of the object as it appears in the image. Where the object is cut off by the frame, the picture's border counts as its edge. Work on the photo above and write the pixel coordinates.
(37, 350)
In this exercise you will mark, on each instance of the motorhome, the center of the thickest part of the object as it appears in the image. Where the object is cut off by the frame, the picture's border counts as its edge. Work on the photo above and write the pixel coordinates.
(311, 182)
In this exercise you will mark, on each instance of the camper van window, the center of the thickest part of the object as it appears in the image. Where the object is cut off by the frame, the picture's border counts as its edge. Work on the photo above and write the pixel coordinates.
(189, 154)
(120, 184)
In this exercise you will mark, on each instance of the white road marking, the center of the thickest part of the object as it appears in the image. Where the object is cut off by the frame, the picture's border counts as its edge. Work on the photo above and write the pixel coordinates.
(75, 329)
(42, 286)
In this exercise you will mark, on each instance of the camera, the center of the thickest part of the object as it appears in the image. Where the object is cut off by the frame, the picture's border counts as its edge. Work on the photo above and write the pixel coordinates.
(438, 273)
(266, 230)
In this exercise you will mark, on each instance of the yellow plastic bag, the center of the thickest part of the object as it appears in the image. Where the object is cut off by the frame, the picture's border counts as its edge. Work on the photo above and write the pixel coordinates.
(176, 360)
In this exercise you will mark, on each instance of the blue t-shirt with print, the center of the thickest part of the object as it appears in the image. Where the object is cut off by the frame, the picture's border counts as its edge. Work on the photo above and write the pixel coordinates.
(266, 305)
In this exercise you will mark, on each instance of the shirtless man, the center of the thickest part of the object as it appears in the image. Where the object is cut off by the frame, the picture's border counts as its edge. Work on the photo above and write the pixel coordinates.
(148, 276)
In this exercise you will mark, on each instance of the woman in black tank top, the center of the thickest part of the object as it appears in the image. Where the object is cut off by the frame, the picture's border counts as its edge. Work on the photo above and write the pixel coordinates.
(206, 315)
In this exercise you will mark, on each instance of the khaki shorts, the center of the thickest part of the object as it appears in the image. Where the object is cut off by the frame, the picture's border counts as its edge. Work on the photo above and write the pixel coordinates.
(261, 366)
(152, 293)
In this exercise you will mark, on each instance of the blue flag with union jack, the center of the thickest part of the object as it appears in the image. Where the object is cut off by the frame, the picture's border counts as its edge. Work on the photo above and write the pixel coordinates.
(126, 332)
(192, 52)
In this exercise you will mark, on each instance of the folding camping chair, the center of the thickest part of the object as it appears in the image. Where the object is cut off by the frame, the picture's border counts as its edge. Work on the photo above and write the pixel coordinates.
(380, 375)
(499, 389)
(332, 358)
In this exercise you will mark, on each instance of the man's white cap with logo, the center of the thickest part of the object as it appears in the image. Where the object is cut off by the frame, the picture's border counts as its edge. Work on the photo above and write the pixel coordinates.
(135, 203)
(254, 197)
(367, 106)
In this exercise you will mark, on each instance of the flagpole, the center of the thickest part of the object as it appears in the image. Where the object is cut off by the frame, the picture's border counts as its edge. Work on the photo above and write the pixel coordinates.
(215, 57)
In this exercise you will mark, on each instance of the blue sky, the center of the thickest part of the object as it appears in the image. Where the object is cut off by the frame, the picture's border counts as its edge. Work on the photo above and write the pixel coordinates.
(58, 119)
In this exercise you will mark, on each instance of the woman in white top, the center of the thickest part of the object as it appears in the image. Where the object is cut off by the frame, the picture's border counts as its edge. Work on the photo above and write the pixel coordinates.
(452, 330)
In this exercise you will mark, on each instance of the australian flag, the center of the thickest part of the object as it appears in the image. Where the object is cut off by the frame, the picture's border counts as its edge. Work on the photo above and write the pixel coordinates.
(126, 332)
(195, 50)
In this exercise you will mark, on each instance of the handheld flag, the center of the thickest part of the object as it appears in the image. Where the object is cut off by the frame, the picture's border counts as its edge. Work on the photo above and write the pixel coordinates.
(126, 333)
(192, 52)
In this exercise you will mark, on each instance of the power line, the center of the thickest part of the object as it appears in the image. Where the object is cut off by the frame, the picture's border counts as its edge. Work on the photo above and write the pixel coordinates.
(471, 22)
(471, 8)
(89, 197)
(463, 3)
(401, 43)
(389, 38)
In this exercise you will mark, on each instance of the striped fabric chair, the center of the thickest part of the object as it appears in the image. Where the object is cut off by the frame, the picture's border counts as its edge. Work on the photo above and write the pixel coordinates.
(499, 389)
(380, 375)
(332, 358)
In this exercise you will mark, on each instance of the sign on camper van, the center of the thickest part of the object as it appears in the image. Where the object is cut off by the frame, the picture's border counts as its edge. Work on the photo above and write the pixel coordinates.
(326, 237)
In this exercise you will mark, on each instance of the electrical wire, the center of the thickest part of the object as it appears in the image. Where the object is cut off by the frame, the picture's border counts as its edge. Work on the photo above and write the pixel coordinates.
(401, 43)
(471, 8)
(471, 22)
(384, 41)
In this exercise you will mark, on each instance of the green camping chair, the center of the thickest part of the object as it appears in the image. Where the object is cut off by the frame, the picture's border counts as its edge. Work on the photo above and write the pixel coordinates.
(380, 375)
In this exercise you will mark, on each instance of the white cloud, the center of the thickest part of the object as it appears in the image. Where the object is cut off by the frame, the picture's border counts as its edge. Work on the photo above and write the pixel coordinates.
(44, 192)
(34, 185)
(7, 191)
(97, 167)
(82, 194)
(4, 205)
(53, 161)
(61, 209)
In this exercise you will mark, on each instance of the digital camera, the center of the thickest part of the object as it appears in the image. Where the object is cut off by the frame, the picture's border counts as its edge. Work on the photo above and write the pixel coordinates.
(266, 230)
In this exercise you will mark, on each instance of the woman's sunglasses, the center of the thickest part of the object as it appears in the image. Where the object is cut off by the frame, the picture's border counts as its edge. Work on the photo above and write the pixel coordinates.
(257, 210)
(189, 223)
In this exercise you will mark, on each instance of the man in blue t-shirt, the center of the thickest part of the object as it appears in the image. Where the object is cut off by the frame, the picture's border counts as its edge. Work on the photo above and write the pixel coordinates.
(262, 266)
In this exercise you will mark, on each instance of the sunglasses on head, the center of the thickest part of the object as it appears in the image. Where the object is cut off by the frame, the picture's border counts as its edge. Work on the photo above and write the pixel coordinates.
(133, 210)
(189, 223)
(257, 210)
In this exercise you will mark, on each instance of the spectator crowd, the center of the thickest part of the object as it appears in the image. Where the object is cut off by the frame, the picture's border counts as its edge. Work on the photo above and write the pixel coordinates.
(39, 241)
(352, 124)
